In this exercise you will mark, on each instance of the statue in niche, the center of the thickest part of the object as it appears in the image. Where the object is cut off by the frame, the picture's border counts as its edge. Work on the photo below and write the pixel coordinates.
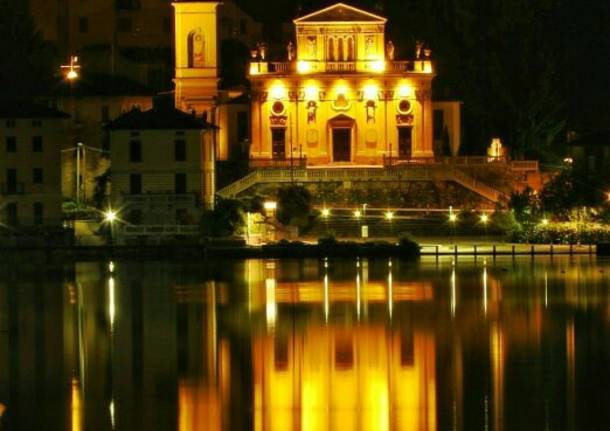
(419, 46)
(390, 50)
(196, 49)
(312, 107)
(370, 111)
(369, 45)
(312, 46)
(262, 50)
(290, 51)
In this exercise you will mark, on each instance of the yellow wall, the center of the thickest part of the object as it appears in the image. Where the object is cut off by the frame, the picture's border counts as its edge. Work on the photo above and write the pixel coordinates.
(370, 140)
(196, 87)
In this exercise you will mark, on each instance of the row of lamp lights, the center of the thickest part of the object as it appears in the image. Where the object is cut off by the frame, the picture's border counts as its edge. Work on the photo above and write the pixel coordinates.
(389, 215)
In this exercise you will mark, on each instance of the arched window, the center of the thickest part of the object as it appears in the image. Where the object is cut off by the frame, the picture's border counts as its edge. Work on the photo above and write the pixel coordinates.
(331, 49)
(196, 49)
(341, 50)
(350, 49)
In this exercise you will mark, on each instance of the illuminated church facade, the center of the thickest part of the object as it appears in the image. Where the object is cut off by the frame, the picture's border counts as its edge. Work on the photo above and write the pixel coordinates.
(342, 98)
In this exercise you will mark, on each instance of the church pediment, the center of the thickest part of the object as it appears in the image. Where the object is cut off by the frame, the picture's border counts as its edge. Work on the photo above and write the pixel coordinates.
(340, 12)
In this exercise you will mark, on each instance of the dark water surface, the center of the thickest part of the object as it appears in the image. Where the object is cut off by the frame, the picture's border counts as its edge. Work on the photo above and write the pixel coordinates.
(307, 345)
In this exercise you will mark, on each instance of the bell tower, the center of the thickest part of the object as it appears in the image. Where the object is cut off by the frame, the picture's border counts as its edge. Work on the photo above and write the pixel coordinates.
(196, 54)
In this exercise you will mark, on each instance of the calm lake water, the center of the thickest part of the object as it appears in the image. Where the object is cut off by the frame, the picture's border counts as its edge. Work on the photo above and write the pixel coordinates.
(307, 345)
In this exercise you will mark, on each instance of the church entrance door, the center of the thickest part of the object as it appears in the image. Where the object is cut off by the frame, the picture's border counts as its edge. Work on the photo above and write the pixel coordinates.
(342, 145)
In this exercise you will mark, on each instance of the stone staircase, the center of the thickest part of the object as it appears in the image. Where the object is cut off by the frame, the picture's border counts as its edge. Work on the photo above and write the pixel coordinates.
(355, 174)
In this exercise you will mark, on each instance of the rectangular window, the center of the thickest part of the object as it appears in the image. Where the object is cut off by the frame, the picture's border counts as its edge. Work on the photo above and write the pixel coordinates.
(135, 184)
(38, 213)
(278, 144)
(11, 144)
(37, 144)
(11, 181)
(83, 25)
(344, 353)
(135, 151)
(37, 176)
(438, 120)
(180, 184)
(180, 150)
(135, 217)
(167, 25)
(407, 351)
(124, 25)
(36, 123)
(11, 124)
(280, 352)
(12, 218)
(405, 142)
(105, 114)
(242, 126)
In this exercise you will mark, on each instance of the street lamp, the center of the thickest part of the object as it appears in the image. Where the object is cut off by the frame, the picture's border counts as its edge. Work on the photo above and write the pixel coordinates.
(545, 222)
(325, 213)
(389, 215)
(357, 214)
(110, 216)
(71, 70)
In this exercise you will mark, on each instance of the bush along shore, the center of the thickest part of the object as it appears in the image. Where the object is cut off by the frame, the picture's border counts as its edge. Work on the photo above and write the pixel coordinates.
(565, 233)
(330, 247)
(227, 248)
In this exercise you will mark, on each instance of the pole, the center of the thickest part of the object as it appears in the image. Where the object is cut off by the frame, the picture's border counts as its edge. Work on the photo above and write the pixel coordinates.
(291, 164)
(78, 147)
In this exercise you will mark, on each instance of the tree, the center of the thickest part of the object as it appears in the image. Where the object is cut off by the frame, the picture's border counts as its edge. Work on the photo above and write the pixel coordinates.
(226, 220)
(28, 61)
(294, 206)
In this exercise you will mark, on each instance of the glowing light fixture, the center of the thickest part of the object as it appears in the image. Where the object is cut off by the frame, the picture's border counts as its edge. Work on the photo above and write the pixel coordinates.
(278, 91)
(311, 93)
(325, 213)
(357, 214)
(110, 216)
(545, 221)
(484, 218)
(378, 66)
(389, 215)
(303, 66)
(452, 218)
(270, 205)
(371, 91)
(405, 90)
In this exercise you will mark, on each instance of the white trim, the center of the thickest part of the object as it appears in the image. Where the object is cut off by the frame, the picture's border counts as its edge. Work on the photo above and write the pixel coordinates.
(376, 18)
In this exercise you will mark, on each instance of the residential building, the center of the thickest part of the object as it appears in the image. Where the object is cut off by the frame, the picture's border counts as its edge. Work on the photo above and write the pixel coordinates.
(30, 164)
(162, 170)
(132, 38)
(91, 110)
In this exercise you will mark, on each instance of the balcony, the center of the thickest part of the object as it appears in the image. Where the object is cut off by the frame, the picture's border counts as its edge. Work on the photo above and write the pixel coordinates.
(12, 189)
(160, 199)
(305, 67)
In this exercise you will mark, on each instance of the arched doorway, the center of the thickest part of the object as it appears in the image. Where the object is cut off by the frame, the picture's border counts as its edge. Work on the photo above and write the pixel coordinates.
(342, 134)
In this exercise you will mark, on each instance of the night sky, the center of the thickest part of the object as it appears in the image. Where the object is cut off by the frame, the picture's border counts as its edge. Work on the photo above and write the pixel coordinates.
(527, 70)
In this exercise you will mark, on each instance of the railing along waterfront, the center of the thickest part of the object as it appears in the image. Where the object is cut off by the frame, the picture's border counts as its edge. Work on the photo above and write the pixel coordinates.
(507, 249)
(160, 230)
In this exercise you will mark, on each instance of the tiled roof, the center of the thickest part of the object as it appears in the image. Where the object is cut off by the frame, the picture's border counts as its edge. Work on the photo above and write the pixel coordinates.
(158, 119)
(22, 109)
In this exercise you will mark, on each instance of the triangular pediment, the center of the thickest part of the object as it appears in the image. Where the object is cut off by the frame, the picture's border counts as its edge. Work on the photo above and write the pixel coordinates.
(340, 12)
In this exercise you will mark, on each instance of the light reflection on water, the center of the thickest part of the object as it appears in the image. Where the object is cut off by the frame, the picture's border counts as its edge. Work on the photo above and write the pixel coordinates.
(307, 345)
